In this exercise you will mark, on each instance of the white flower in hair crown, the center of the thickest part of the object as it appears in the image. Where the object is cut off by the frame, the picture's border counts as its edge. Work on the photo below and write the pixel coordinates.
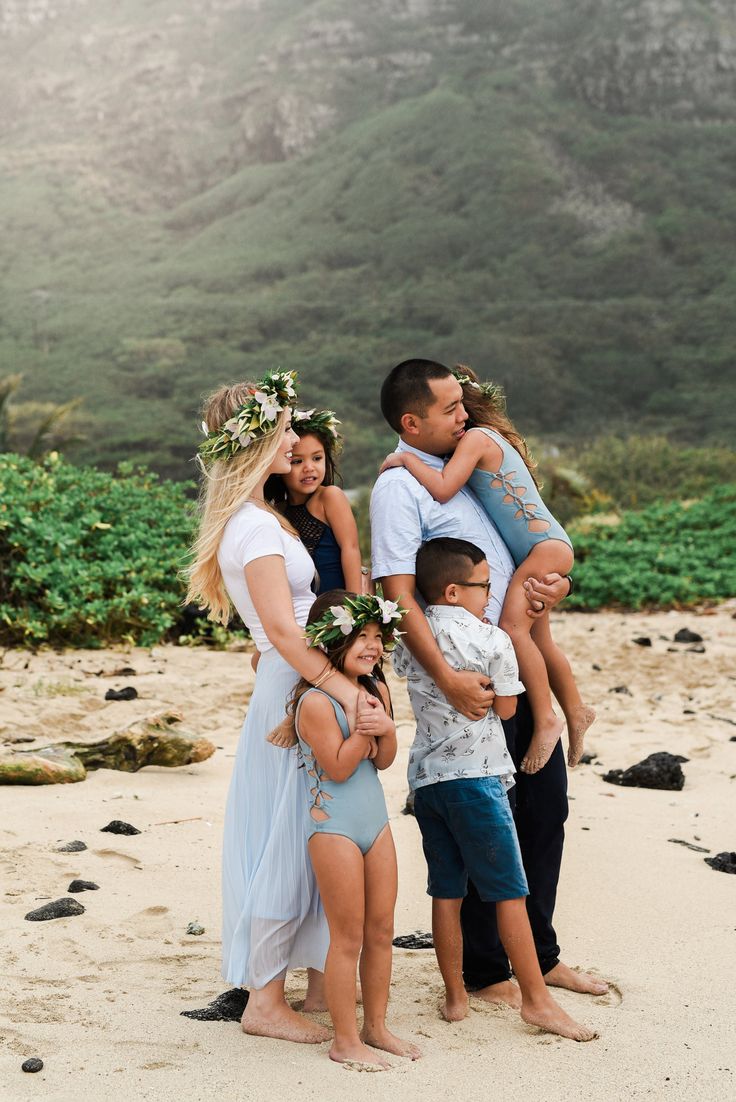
(316, 421)
(488, 390)
(256, 417)
(340, 620)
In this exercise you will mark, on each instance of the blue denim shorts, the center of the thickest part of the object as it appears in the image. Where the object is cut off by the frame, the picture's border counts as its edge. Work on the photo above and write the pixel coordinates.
(468, 832)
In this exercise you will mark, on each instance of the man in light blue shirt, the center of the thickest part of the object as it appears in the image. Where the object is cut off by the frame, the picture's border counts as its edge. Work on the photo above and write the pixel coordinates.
(422, 401)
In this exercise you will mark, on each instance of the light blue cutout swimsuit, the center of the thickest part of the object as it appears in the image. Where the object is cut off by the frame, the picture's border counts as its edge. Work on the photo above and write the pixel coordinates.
(354, 808)
(512, 501)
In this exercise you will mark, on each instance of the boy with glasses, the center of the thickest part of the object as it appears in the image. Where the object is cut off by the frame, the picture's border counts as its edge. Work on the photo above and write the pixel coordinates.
(460, 771)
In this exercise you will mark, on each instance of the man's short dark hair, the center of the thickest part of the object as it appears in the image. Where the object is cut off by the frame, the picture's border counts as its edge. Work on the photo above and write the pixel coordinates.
(442, 561)
(406, 389)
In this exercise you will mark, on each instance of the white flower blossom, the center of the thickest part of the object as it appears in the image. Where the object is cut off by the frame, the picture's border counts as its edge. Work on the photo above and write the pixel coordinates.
(205, 430)
(343, 620)
(269, 403)
(389, 610)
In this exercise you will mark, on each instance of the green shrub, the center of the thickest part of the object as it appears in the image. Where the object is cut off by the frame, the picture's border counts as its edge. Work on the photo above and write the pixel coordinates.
(668, 555)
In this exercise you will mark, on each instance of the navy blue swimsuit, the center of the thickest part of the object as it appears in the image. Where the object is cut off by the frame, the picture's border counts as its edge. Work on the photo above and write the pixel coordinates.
(320, 542)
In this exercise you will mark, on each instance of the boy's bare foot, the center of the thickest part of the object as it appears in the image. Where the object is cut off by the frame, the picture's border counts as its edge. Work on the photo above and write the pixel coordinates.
(552, 1018)
(284, 1024)
(455, 1009)
(578, 723)
(544, 740)
(564, 976)
(357, 1054)
(389, 1042)
(506, 992)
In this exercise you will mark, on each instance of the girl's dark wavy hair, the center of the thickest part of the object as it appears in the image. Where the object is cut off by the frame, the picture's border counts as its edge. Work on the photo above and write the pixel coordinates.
(336, 652)
(275, 488)
(490, 411)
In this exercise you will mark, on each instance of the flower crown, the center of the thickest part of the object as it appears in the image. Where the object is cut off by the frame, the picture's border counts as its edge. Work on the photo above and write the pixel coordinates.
(256, 417)
(321, 421)
(355, 612)
(488, 390)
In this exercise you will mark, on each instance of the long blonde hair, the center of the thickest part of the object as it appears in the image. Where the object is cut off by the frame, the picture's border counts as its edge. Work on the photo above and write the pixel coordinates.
(225, 486)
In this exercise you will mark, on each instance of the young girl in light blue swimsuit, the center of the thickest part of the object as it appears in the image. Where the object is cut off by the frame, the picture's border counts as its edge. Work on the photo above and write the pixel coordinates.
(350, 844)
(493, 459)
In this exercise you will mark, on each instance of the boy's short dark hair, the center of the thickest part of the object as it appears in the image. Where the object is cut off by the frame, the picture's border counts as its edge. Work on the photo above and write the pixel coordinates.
(406, 389)
(442, 561)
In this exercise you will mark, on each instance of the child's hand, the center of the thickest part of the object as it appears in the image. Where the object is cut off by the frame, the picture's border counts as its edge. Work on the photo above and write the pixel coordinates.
(395, 459)
(373, 721)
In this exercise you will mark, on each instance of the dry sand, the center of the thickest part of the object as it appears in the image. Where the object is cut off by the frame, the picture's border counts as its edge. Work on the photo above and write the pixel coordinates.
(98, 996)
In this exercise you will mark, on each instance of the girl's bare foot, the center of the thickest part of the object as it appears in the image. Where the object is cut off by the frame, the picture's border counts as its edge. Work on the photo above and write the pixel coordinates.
(572, 980)
(543, 742)
(388, 1042)
(284, 1024)
(357, 1054)
(578, 723)
(548, 1015)
(454, 1009)
(506, 992)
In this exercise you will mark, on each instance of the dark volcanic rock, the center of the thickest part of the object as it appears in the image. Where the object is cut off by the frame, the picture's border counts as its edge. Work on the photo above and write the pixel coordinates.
(34, 1064)
(587, 759)
(722, 862)
(83, 886)
(416, 940)
(227, 1007)
(60, 908)
(661, 770)
(128, 693)
(117, 826)
(684, 635)
(642, 641)
(71, 847)
(622, 689)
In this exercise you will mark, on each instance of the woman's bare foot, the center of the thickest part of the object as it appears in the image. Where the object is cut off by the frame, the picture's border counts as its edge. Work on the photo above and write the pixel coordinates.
(578, 723)
(283, 1023)
(315, 1001)
(544, 740)
(357, 1054)
(454, 1009)
(550, 1016)
(388, 1042)
(564, 976)
(506, 992)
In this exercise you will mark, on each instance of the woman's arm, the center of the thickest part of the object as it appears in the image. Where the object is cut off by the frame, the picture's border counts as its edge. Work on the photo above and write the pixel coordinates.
(339, 516)
(338, 756)
(444, 484)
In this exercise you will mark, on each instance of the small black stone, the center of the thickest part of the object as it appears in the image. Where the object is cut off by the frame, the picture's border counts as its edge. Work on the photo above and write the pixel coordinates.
(34, 1064)
(688, 712)
(124, 671)
(128, 693)
(71, 847)
(722, 862)
(117, 826)
(622, 689)
(595, 666)
(417, 940)
(587, 759)
(60, 908)
(83, 886)
(684, 635)
(642, 641)
(227, 1007)
(689, 845)
(661, 770)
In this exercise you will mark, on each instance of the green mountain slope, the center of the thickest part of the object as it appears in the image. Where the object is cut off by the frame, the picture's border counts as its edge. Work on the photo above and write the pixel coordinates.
(194, 191)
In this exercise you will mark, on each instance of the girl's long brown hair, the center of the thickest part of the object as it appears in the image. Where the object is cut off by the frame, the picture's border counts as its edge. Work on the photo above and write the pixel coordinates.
(489, 411)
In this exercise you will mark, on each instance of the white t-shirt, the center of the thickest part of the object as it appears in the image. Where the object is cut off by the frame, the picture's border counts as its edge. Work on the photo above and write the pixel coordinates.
(250, 534)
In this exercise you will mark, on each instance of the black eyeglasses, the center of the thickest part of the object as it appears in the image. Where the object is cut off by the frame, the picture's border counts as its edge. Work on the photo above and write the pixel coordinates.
(479, 585)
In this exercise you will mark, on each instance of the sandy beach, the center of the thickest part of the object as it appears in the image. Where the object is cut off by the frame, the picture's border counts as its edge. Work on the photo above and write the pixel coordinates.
(98, 996)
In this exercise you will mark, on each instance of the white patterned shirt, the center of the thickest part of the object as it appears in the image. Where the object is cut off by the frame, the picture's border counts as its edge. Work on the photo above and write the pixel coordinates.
(448, 745)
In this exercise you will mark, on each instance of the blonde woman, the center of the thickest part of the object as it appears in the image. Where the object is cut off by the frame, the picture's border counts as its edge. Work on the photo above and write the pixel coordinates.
(248, 556)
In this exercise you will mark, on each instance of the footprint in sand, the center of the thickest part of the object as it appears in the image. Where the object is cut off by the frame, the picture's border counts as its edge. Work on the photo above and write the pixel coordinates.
(115, 855)
(614, 996)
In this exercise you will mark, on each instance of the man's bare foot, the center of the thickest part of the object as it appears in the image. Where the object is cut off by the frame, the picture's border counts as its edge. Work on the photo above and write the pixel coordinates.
(454, 1009)
(544, 740)
(551, 1017)
(564, 976)
(388, 1042)
(506, 992)
(357, 1054)
(284, 1024)
(578, 723)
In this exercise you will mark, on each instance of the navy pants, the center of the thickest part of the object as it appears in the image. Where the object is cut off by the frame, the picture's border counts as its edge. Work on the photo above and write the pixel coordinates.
(540, 808)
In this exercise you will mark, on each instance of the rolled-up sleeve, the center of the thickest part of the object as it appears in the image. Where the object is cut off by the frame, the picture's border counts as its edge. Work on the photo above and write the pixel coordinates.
(396, 527)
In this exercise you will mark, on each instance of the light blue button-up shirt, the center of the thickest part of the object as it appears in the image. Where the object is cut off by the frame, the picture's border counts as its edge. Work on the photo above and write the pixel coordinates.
(404, 515)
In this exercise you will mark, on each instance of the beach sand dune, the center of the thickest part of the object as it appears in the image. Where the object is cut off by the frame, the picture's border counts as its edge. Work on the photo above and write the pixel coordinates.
(98, 996)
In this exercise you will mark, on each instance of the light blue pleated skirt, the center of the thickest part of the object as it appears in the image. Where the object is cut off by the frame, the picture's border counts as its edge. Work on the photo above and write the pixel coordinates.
(272, 916)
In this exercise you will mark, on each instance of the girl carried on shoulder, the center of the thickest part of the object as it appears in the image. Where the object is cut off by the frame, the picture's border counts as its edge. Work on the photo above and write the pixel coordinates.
(312, 502)
(494, 461)
(350, 843)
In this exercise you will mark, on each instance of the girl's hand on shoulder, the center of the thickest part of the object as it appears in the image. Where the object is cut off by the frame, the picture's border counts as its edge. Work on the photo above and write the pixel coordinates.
(395, 459)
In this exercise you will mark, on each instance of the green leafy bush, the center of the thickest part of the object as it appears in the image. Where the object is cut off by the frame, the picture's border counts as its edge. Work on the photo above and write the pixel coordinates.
(89, 558)
(668, 555)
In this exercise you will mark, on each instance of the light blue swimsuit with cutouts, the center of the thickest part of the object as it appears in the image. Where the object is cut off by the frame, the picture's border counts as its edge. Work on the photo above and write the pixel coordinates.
(511, 499)
(354, 808)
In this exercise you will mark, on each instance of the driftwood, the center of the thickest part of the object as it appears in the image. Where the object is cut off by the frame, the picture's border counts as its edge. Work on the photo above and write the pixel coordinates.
(153, 741)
